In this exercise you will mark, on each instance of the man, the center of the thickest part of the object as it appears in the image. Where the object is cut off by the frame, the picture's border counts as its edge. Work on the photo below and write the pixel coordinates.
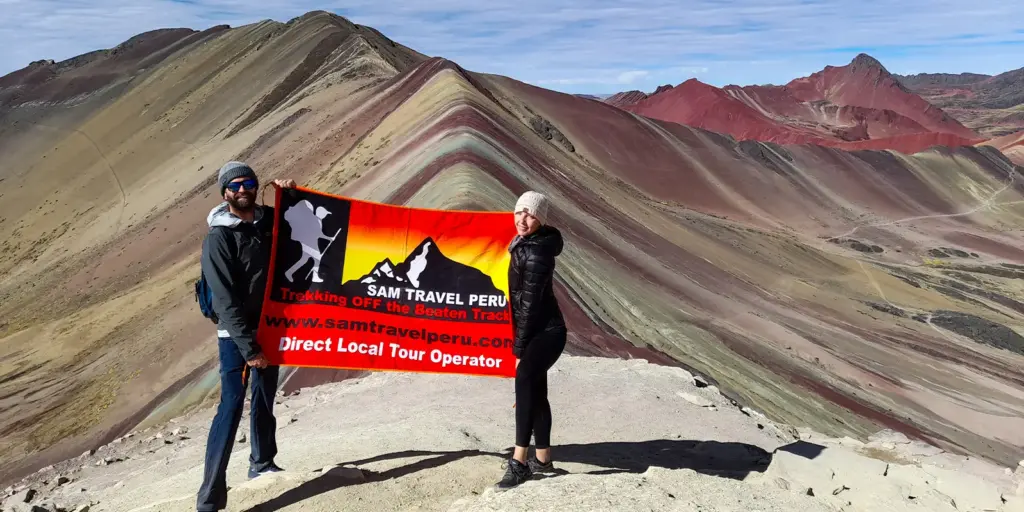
(235, 260)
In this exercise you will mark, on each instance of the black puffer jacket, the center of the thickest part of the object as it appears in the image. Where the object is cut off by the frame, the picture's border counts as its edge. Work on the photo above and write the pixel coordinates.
(531, 273)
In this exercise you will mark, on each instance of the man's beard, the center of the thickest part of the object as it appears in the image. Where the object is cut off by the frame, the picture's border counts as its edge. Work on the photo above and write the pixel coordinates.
(243, 202)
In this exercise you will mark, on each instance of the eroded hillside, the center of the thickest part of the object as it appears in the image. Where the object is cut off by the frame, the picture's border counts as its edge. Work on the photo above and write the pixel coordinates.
(845, 291)
(992, 105)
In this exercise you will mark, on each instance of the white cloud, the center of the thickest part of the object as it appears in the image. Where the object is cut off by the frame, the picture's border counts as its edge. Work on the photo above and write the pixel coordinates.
(599, 78)
(581, 45)
(631, 76)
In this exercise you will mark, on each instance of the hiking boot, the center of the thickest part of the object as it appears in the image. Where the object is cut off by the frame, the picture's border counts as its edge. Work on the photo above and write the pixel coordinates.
(272, 468)
(516, 473)
(537, 467)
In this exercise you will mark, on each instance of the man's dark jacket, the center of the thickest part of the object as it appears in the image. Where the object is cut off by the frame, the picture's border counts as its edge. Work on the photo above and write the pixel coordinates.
(531, 293)
(235, 261)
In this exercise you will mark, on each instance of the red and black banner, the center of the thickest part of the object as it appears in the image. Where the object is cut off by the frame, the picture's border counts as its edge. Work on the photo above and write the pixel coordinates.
(361, 285)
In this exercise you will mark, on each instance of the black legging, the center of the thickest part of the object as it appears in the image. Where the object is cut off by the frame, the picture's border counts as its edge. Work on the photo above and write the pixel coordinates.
(533, 412)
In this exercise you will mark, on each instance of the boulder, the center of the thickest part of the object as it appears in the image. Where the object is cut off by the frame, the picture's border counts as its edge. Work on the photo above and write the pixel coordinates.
(24, 496)
(346, 473)
(37, 507)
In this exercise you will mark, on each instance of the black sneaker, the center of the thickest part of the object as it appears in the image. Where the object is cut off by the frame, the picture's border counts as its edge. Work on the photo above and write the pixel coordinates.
(537, 467)
(272, 468)
(515, 474)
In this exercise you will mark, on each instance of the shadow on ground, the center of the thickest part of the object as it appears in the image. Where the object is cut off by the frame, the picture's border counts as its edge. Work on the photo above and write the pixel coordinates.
(803, 449)
(727, 460)
(730, 460)
(329, 481)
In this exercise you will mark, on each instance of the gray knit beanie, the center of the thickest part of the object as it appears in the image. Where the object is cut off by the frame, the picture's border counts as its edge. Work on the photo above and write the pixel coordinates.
(232, 171)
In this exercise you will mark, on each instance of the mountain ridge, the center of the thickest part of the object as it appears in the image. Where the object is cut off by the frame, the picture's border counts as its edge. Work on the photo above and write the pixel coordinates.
(683, 244)
(855, 103)
(993, 104)
(935, 79)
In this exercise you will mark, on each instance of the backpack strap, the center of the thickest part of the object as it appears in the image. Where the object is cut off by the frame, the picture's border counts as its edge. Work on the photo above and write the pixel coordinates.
(232, 248)
(203, 293)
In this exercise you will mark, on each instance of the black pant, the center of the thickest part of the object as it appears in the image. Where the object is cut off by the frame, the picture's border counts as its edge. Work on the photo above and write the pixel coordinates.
(213, 494)
(533, 412)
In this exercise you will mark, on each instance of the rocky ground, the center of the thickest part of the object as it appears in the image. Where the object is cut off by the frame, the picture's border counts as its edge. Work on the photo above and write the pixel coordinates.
(628, 435)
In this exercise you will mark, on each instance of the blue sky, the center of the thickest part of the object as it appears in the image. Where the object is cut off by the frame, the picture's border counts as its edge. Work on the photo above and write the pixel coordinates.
(596, 46)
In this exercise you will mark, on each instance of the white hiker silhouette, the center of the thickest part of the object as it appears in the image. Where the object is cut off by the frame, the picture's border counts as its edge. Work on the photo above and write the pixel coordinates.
(307, 230)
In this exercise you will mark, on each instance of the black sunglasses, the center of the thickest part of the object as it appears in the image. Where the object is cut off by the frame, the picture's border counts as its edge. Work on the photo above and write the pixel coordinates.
(250, 184)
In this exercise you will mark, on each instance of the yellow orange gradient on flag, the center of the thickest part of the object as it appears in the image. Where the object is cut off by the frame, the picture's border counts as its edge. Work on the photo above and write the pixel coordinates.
(377, 232)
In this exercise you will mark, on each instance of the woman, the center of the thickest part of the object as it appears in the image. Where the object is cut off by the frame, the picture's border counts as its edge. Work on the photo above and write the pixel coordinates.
(539, 332)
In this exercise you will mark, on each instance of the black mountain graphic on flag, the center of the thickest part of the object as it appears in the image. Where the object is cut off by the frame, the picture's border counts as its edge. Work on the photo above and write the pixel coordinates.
(426, 268)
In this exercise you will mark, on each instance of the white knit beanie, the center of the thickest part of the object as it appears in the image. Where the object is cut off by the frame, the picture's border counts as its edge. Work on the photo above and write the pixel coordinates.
(533, 203)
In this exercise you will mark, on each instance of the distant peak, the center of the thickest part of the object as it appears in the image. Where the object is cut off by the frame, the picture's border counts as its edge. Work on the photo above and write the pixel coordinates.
(693, 83)
(633, 95)
(626, 98)
(310, 14)
(323, 15)
(864, 60)
(663, 88)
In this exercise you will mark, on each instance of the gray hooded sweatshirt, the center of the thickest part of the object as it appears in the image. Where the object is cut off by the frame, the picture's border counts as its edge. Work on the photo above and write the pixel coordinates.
(235, 261)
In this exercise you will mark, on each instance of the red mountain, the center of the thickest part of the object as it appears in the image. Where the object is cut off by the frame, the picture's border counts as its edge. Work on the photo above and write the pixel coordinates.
(1011, 145)
(853, 106)
(866, 83)
(695, 103)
